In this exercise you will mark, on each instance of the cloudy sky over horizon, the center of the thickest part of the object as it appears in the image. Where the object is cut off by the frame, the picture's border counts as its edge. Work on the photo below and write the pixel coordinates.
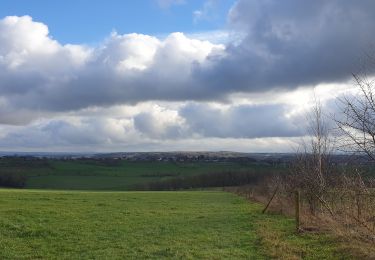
(164, 75)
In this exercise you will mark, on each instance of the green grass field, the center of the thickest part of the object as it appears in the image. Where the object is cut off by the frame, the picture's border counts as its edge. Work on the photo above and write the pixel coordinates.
(91, 175)
(157, 225)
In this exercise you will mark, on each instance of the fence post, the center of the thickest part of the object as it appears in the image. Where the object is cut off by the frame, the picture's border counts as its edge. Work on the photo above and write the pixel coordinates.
(269, 202)
(298, 209)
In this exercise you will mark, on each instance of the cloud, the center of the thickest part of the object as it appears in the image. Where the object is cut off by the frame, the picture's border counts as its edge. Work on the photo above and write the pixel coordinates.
(279, 48)
(207, 12)
(160, 123)
(137, 89)
(241, 121)
(148, 123)
(292, 43)
(165, 4)
(69, 132)
(214, 36)
(38, 73)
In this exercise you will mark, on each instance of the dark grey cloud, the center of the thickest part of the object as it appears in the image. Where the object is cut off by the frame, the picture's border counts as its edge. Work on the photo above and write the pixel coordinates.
(292, 43)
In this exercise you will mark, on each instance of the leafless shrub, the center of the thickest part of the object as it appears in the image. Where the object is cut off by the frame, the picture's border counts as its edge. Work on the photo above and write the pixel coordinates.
(356, 120)
(356, 125)
(312, 167)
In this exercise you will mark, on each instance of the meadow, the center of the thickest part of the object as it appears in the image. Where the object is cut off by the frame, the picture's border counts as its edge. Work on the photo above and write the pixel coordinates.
(112, 175)
(37, 224)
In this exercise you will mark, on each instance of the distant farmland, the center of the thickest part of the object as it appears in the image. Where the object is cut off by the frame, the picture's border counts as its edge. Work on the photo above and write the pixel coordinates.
(122, 175)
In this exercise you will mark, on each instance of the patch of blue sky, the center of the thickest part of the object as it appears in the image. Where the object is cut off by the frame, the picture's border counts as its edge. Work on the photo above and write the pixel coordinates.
(90, 21)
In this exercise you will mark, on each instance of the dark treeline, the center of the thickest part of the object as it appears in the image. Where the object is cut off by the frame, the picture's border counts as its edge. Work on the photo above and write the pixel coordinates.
(12, 180)
(13, 169)
(206, 180)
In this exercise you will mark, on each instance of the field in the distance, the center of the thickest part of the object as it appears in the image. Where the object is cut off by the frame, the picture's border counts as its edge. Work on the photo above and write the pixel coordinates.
(137, 225)
(109, 175)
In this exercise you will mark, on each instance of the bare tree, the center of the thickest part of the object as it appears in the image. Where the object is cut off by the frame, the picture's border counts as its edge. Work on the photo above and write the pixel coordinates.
(320, 143)
(312, 166)
(356, 122)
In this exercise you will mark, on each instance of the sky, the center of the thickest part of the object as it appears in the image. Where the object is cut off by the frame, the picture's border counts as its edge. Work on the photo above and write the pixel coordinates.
(167, 75)
(90, 21)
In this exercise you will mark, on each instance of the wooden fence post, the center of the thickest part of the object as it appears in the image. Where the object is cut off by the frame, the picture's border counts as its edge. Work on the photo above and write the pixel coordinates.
(269, 202)
(298, 209)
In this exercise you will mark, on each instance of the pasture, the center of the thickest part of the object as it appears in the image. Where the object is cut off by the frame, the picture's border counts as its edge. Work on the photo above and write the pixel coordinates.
(107, 175)
(38, 224)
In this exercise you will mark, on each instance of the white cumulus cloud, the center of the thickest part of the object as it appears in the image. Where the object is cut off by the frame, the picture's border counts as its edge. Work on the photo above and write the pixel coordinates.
(136, 91)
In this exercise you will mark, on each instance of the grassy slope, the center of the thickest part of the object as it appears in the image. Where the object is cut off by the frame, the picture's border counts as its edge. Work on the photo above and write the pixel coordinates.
(210, 225)
(83, 176)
